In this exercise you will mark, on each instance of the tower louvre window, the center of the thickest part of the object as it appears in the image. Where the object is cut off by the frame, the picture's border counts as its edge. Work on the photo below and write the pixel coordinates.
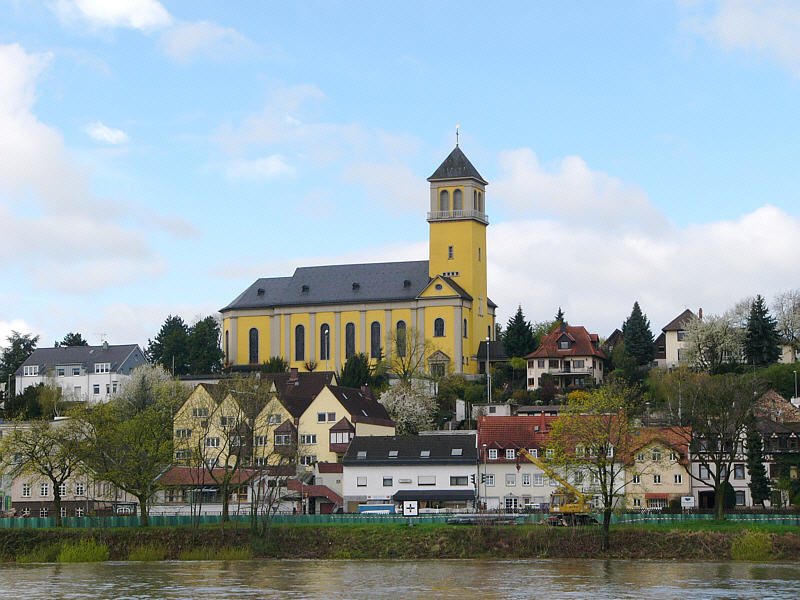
(444, 201)
(458, 201)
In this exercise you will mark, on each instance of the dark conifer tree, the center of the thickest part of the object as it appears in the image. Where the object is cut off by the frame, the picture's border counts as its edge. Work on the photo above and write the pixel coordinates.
(761, 338)
(638, 338)
(170, 348)
(518, 338)
(759, 485)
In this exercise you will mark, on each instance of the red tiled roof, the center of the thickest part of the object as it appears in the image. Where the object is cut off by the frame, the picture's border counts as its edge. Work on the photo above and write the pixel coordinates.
(584, 344)
(514, 432)
(201, 476)
(330, 467)
(315, 491)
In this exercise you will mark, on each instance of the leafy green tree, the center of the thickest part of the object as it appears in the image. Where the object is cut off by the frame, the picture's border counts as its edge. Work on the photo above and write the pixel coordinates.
(72, 339)
(170, 348)
(19, 348)
(205, 354)
(760, 488)
(128, 440)
(761, 340)
(638, 337)
(25, 406)
(275, 364)
(356, 372)
(44, 449)
(590, 436)
(518, 338)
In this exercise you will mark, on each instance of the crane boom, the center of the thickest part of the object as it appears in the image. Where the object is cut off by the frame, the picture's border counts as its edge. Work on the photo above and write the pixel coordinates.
(559, 500)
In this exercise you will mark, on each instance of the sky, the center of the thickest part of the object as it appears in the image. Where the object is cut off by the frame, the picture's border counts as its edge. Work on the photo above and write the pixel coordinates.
(158, 157)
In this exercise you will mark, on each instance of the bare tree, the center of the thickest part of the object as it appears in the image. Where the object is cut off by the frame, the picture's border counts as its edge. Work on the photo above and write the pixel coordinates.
(410, 353)
(710, 414)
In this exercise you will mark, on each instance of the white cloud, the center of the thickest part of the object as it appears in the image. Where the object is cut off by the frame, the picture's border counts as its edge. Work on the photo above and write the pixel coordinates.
(144, 15)
(769, 28)
(103, 133)
(187, 41)
(268, 167)
(18, 325)
(393, 185)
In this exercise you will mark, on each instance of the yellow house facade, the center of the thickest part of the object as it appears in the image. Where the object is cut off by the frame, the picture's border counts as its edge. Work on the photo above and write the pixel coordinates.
(657, 474)
(320, 316)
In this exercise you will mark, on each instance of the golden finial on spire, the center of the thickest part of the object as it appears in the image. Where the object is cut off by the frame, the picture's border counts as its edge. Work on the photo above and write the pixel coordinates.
(457, 126)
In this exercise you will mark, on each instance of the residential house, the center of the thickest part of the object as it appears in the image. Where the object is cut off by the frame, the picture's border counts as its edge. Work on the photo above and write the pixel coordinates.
(81, 496)
(507, 479)
(83, 373)
(195, 490)
(434, 472)
(658, 469)
(669, 344)
(570, 355)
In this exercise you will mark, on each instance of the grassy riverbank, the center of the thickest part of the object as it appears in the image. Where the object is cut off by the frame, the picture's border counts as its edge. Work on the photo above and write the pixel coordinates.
(698, 541)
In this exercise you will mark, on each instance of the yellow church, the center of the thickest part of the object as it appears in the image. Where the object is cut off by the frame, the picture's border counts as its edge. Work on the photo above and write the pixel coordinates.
(321, 316)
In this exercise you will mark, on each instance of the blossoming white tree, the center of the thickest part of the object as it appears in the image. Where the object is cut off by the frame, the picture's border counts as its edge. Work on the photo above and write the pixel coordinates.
(410, 405)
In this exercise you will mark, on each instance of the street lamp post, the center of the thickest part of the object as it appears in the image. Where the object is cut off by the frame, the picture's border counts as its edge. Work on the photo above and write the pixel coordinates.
(795, 384)
(488, 372)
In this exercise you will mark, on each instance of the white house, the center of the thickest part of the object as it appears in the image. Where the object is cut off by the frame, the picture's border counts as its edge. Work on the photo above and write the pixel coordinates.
(435, 471)
(84, 373)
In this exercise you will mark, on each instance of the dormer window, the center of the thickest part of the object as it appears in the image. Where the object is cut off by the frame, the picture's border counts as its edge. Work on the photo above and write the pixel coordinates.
(392, 453)
(456, 452)
(407, 283)
(304, 289)
(260, 292)
(30, 370)
(564, 345)
(356, 287)
(362, 454)
(102, 367)
(425, 454)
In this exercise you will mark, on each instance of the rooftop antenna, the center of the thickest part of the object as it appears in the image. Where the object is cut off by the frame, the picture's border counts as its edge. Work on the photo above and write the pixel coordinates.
(457, 126)
(102, 337)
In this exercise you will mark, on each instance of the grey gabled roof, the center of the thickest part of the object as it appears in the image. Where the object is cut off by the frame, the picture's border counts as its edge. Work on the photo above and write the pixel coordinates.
(360, 407)
(456, 166)
(48, 358)
(679, 322)
(410, 448)
(336, 284)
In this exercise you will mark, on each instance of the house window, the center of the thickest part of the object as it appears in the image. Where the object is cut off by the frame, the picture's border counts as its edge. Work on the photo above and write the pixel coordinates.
(181, 454)
(76, 371)
(400, 339)
(511, 479)
(331, 417)
(375, 340)
(549, 453)
(387, 482)
(656, 455)
(438, 327)
(80, 488)
(459, 480)
(349, 340)
(492, 453)
(283, 439)
(563, 345)
(490, 479)
(511, 503)
(738, 471)
(212, 442)
(425, 454)
(308, 460)
(275, 419)
(637, 503)
(260, 440)
(253, 346)
(362, 454)
(44, 490)
(325, 342)
(62, 490)
(392, 453)
(96, 389)
(740, 498)
(30, 370)
(681, 335)
(102, 367)
(426, 480)
(321, 417)
(678, 479)
(79, 511)
(636, 479)
(361, 481)
(199, 413)
(511, 454)
(526, 479)
(26, 490)
(703, 472)
(450, 252)
(465, 329)
(538, 480)
(43, 512)
(61, 371)
(299, 343)
(308, 439)
(657, 479)
(227, 421)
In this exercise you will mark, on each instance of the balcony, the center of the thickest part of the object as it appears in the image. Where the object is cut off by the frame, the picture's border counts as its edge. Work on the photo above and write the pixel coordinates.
(570, 371)
(451, 215)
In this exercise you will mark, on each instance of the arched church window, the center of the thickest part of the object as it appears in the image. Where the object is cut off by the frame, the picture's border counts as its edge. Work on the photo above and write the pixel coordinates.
(325, 342)
(400, 339)
(349, 340)
(474, 199)
(444, 201)
(253, 346)
(299, 343)
(458, 202)
(375, 339)
(438, 327)
(481, 207)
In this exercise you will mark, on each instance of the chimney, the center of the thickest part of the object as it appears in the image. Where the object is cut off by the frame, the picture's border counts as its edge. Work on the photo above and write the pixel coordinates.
(105, 345)
(700, 313)
(366, 391)
(293, 375)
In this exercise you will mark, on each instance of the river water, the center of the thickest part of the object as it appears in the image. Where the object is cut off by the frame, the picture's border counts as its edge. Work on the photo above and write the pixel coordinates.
(402, 580)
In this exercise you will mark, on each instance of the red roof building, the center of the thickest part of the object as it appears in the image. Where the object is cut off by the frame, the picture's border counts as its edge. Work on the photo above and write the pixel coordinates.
(570, 355)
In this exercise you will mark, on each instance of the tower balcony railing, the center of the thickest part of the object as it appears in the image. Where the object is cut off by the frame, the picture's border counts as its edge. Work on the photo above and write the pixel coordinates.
(446, 215)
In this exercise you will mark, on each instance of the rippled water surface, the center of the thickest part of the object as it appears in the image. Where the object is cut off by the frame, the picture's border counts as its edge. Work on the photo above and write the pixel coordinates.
(402, 579)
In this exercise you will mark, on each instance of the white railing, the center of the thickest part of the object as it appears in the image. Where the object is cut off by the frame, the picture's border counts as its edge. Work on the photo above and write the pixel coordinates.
(442, 215)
